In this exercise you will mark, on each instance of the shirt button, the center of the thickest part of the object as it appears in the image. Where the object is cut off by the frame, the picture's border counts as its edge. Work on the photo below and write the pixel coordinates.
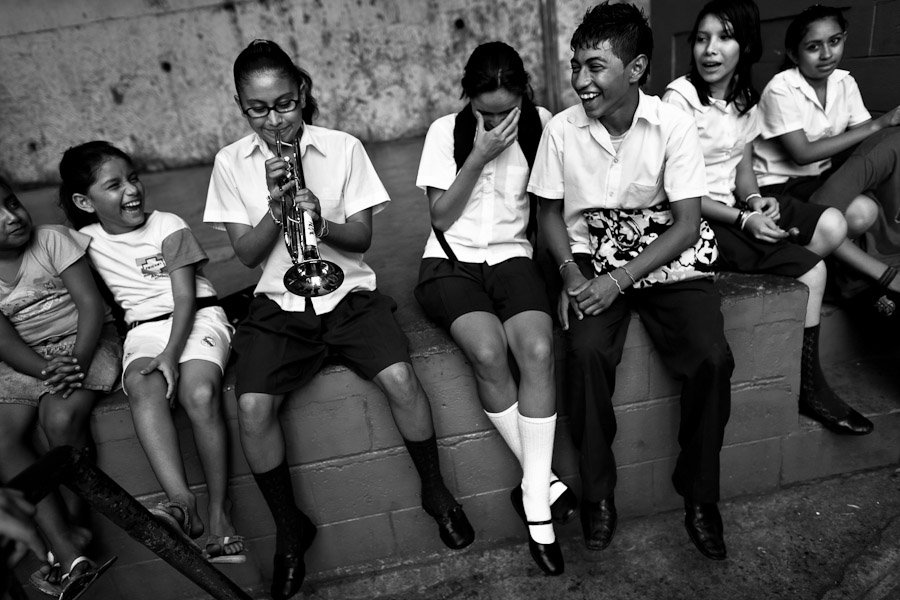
(615, 160)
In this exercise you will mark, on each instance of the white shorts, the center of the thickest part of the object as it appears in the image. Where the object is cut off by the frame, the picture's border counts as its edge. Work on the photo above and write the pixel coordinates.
(209, 340)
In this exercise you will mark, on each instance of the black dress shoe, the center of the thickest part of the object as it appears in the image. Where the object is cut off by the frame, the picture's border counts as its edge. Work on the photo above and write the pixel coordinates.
(547, 556)
(847, 421)
(564, 507)
(598, 522)
(455, 530)
(704, 526)
(289, 569)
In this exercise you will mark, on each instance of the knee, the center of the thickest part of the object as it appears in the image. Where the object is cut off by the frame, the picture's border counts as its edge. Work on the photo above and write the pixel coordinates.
(860, 215)
(832, 228)
(201, 401)
(400, 384)
(256, 413)
(488, 360)
(64, 425)
(537, 354)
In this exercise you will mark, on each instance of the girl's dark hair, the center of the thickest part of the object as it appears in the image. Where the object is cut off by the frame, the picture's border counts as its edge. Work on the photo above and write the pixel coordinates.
(798, 28)
(494, 66)
(264, 56)
(5, 184)
(624, 26)
(78, 171)
(740, 18)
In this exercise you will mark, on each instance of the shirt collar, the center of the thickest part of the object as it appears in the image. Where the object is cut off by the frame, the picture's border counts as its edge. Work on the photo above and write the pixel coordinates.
(310, 137)
(795, 79)
(647, 110)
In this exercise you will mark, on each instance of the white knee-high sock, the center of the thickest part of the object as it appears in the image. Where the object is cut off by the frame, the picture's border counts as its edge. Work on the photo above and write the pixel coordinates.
(537, 436)
(507, 423)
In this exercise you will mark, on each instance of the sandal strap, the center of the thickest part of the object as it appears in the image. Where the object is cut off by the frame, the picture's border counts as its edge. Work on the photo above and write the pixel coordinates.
(75, 563)
(529, 523)
(185, 513)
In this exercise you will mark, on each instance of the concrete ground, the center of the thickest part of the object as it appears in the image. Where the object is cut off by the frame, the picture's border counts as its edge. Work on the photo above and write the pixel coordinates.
(836, 539)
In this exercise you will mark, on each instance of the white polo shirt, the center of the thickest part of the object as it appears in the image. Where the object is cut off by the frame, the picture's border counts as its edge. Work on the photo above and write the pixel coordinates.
(491, 228)
(789, 103)
(659, 158)
(724, 133)
(337, 170)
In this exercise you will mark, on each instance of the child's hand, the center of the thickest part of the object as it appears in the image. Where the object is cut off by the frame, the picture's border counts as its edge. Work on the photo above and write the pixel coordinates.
(891, 118)
(571, 281)
(489, 144)
(62, 373)
(308, 201)
(767, 205)
(166, 364)
(596, 295)
(276, 175)
(764, 229)
(18, 527)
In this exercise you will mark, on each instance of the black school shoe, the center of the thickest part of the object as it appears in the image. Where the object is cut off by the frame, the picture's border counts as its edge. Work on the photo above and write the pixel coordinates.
(454, 528)
(546, 556)
(289, 569)
(598, 522)
(704, 526)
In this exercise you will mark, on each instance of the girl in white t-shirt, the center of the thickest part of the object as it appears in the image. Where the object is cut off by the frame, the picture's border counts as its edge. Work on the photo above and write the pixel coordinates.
(811, 116)
(755, 233)
(57, 355)
(477, 278)
(178, 339)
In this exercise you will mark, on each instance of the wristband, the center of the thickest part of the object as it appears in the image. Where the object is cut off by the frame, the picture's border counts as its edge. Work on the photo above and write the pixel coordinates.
(615, 281)
(751, 196)
(746, 217)
(562, 265)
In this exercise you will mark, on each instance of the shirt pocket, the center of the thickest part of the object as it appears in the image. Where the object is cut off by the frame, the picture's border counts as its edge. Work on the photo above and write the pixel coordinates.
(516, 182)
(331, 205)
(639, 195)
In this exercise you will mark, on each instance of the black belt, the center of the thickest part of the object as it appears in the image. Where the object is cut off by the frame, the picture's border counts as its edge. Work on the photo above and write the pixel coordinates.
(200, 304)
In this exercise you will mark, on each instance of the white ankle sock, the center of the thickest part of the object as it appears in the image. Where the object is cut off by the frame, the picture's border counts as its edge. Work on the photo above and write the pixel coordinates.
(507, 423)
(537, 436)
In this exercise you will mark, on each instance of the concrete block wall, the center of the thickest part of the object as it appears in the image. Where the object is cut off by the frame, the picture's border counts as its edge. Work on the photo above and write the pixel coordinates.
(155, 77)
(353, 476)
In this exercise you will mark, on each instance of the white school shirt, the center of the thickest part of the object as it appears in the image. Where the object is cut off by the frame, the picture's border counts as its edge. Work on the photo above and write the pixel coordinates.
(491, 228)
(337, 170)
(724, 133)
(659, 158)
(135, 265)
(789, 103)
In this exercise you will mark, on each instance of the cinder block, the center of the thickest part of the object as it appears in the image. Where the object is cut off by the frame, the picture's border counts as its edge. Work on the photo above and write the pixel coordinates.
(787, 305)
(484, 464)
(760, 412)
(660, 381)
(816, 452)
(646, 488)
(741, 342)
(317, 430)
(742, 312)
(632, 376)
(448, 380)
(777, 350)
(750, 468)
(647, 431)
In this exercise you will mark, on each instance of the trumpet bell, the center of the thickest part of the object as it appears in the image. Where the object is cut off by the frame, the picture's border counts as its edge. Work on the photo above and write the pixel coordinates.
(313, 278)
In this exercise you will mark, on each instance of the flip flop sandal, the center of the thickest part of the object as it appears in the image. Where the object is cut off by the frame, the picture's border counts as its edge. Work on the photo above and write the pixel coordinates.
(40, 582)
(75, 586)
(162, 513)
(219, 555)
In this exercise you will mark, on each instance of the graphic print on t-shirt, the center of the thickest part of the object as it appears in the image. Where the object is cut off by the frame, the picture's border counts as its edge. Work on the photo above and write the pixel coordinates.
(153, 267)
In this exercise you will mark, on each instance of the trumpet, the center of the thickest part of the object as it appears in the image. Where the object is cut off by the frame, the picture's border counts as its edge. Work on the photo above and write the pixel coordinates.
(310, 275)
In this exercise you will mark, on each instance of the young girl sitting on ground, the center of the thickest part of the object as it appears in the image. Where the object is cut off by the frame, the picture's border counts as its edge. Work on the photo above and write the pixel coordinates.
(477, 279)
(756, 233)
(57, 355)
(178, 338)
(811, 116)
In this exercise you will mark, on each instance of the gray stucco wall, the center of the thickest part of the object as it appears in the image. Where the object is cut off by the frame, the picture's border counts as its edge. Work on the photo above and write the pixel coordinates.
(154, 76)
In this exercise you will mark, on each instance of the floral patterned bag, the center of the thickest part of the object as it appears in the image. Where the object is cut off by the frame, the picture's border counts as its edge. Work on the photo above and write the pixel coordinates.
(617, 235)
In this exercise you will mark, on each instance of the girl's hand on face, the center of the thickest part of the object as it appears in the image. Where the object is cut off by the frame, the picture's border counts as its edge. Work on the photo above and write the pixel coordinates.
(764, 229)
(596, 295)
(166, 364)
(767, 205)
(490, 144)
(276, 173)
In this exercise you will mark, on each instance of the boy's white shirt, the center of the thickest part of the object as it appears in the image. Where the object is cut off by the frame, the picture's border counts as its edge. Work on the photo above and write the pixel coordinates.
(491, 228)
(659, 158)
(337, 170)
(789, 103)
(724, 133)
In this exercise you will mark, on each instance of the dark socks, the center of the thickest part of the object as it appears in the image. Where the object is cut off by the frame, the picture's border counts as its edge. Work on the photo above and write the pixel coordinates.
(278, 493)
(436, 498)
(816, 396)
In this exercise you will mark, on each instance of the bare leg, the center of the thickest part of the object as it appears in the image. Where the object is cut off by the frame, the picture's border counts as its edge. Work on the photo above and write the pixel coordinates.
(530, 336)
(409, 404)
(831, 232)
(156, 431)
(482, 339)
(860, 216)
(199, 391)
(815, 281)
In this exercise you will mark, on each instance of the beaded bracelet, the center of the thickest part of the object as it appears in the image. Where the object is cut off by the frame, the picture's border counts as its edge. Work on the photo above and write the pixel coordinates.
(562, 265)
(614, 281)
